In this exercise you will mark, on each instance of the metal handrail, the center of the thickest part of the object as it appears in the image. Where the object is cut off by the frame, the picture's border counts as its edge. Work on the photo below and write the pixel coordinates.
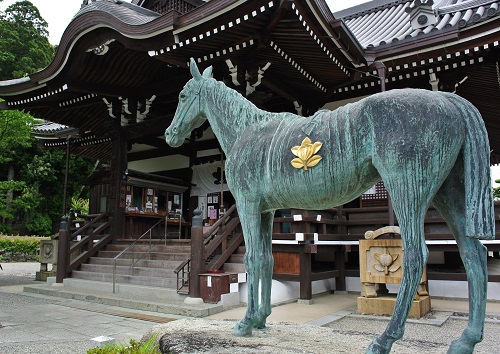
(132, 245)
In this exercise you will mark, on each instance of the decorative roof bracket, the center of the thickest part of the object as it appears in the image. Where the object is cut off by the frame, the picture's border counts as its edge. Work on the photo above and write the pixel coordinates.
(260, 74)
(422, 14)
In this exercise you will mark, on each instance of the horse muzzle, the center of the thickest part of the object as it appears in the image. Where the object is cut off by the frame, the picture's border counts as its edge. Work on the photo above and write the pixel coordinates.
(173, 139)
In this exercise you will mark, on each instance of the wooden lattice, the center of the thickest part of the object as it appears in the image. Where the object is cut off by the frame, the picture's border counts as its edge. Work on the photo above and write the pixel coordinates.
(379, 198)
(164, 6)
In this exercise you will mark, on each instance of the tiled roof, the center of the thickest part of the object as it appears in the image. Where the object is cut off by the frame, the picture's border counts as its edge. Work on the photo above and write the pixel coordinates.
(50, 128)
(378, 23)
(127, 13)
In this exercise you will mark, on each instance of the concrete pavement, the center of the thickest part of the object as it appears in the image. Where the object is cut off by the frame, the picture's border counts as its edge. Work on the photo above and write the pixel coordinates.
(33, 324)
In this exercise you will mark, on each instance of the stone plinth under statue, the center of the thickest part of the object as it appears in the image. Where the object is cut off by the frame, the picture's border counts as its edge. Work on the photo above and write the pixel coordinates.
(384, 306)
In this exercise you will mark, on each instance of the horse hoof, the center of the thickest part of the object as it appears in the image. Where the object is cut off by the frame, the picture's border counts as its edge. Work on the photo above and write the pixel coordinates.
(460, 347)
(242, 329)
(260, 326)
(377, 348)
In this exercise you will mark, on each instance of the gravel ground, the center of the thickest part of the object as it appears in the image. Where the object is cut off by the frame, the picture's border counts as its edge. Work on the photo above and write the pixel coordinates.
(349, 335)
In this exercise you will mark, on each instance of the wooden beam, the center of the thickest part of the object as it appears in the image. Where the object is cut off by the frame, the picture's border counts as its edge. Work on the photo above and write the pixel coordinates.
(117, 197)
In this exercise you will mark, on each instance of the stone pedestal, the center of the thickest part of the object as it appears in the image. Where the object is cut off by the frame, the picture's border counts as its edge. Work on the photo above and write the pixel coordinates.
(48, 255)
(384, 306)
(44, 274)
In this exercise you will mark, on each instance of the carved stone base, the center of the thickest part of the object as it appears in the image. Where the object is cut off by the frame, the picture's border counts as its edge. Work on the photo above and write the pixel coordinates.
(384, 305)
(43, 275)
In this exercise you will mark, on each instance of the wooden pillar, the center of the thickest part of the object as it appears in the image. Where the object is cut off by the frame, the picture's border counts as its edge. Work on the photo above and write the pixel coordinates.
(62, 250)
(305, 273)
(197, 250)
(340, 283)
(118, 167)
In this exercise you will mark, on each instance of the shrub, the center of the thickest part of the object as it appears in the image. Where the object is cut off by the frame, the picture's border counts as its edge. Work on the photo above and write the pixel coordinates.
(25, 246)
(80, 206)
(148, 347)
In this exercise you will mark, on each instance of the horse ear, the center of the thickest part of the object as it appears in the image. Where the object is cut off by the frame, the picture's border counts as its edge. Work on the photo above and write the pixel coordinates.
(207, 73)
(194, 69)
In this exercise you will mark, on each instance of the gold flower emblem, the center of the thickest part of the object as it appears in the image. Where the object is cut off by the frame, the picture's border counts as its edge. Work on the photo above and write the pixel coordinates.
(306, 154)
(386, 261)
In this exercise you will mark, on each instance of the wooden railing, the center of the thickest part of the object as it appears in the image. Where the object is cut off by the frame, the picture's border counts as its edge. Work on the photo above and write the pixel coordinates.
(77, 247)
(219, 243)
(93, 238)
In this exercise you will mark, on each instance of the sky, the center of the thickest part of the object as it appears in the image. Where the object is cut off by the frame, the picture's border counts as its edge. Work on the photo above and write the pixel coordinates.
(58, 13)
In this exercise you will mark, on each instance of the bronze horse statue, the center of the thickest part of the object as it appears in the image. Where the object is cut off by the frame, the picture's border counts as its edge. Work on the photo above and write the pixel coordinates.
(425, 146)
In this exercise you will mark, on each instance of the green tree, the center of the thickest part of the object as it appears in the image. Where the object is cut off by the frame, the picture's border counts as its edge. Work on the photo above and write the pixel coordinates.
(24, 44)
(15, 138)
(31, 197)
(31, 179)
(496, 190)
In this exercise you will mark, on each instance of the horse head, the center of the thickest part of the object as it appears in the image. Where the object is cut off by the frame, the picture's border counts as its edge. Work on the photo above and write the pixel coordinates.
(189, 114)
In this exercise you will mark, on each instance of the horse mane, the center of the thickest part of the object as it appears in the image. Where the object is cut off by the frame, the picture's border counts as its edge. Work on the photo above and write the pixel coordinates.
(232, 104)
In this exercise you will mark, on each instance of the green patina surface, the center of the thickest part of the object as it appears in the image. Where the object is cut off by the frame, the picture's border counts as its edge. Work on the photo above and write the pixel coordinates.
(426, 147)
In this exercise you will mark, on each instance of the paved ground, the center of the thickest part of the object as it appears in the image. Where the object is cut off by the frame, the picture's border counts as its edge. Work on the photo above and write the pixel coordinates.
(33, 324)
(40, 325)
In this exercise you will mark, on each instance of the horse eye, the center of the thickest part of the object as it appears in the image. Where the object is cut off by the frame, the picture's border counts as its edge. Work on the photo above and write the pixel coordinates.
(182, 96)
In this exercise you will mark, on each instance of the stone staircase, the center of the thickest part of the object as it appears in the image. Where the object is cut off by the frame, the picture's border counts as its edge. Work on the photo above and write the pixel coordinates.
(150, 286)
(235, 262)
(154, 264)
(134, 297)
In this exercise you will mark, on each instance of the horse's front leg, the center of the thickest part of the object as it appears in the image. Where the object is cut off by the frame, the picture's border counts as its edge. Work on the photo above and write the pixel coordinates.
(250, 219)
(266, 272)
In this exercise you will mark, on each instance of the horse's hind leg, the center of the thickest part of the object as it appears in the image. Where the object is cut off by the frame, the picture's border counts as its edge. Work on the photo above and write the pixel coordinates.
(250, 219)
(415, 257)
(266, 272)
(450, 201)
(411, 192)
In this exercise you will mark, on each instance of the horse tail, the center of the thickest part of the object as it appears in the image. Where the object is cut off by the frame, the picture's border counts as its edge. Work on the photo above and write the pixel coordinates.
(479, 208)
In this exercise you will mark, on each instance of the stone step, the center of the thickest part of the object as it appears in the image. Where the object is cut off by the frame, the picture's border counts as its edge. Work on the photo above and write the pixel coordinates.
(234, 267)
(154, 255)
(162, 282)
(146, 248)
(160, 300)
(236, 258)
(147, 263)
(139, 271)
(146, 240)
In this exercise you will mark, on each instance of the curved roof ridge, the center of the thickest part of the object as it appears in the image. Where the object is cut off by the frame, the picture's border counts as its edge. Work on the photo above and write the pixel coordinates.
(14, 81)
(126, 12)
(368, 8)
